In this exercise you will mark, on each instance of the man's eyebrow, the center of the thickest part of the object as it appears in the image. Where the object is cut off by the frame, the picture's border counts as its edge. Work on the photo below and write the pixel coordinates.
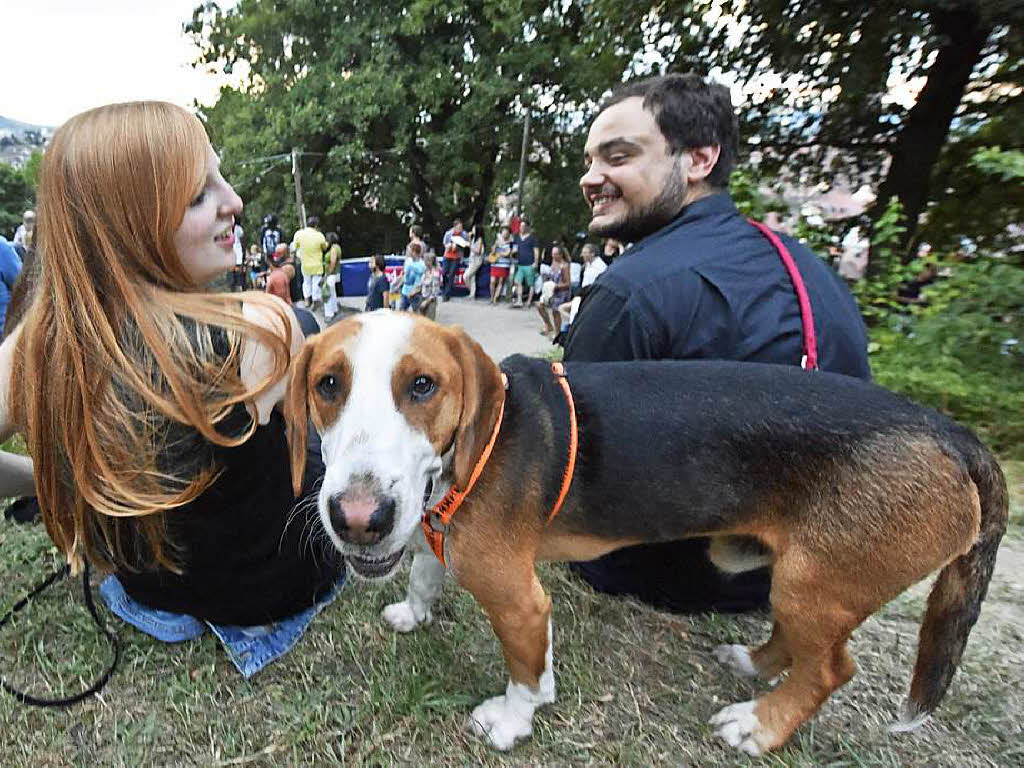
(619, 142)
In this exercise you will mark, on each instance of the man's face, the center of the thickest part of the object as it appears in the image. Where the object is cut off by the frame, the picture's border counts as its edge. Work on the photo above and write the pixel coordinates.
(633, 185)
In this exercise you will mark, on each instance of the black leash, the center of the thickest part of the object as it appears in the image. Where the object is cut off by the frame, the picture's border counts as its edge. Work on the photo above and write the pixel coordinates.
(54, 577)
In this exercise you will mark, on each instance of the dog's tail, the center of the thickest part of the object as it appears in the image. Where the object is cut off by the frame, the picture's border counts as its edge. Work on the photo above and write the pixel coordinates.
(955, 599)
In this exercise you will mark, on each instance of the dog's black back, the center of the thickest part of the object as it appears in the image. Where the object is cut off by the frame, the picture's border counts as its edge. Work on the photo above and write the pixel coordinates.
(712, 439)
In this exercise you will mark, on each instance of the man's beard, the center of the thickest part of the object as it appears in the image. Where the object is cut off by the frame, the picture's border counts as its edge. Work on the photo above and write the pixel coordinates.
(645, 221)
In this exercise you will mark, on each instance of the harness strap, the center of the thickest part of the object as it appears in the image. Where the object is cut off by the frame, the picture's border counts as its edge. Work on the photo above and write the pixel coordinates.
(570, 465)
(25, 698)
(810, 359)
(436, 521)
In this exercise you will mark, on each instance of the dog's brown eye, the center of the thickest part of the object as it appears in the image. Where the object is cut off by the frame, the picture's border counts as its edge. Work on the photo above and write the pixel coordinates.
(327, 387)
(422, 388)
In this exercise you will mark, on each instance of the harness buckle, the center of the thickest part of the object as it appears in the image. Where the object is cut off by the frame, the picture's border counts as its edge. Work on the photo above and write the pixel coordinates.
(436, 524)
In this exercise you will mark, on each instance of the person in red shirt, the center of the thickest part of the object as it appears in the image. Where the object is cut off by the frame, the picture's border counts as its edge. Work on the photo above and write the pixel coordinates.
(281, 273)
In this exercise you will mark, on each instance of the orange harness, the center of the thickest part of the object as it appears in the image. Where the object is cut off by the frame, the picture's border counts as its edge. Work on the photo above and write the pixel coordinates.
(437, 521)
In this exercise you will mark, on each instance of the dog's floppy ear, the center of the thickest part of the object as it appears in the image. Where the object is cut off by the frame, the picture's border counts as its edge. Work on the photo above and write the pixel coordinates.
(296, 412)
(482, 394)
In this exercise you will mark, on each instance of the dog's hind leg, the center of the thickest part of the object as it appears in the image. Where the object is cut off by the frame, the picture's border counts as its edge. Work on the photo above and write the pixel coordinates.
(812, 627)
(520, 613)
(424, 588)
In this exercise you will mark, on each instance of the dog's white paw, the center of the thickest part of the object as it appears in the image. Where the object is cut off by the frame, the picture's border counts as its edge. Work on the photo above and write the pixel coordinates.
(737, 659)
(739, 727)
(402, 617)
(501, 722)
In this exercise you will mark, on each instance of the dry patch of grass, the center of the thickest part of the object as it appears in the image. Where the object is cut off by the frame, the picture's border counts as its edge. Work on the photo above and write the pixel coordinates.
(635, 686)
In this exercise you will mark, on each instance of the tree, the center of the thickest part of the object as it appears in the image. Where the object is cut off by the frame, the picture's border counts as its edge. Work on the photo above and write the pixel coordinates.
(826, 78)
(410, 109)
(16, 196)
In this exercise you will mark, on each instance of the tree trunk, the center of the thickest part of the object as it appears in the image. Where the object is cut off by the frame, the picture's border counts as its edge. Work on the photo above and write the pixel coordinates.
(919, 144)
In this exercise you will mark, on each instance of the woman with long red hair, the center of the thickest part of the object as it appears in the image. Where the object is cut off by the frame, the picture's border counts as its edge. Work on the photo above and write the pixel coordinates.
(148, 404)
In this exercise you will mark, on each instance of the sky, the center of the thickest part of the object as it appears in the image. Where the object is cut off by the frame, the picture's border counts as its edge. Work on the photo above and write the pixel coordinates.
(60, 57)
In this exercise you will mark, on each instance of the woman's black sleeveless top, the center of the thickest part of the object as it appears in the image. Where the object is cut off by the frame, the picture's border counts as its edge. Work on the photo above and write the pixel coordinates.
(249, 551)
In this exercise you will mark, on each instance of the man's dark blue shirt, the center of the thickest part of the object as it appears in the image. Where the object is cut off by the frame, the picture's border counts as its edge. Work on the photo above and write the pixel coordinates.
(711, 286)
(707, 286)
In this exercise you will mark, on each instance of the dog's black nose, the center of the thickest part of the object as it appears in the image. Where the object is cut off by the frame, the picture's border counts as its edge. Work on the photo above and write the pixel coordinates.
(361, 518)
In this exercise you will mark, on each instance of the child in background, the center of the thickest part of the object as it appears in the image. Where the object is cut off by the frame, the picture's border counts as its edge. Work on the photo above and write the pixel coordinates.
(281, 273)
(333, 259)
(377, 287)
(430, 288)
(501, 262)
(412, 278)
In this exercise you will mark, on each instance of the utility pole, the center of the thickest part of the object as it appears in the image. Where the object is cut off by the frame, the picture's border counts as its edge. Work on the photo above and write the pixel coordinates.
(300, 207)
(522, 165)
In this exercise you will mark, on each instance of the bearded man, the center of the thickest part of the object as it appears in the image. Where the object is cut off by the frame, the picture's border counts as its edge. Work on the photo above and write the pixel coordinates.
(699, 282)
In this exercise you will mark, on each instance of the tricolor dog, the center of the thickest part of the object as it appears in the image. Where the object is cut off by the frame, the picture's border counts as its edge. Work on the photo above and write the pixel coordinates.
(852, 493)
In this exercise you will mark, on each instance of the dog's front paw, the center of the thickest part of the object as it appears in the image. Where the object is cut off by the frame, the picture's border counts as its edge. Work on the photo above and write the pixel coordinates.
(500, 722)
(737, 659)
(739, 726)
(402, 616)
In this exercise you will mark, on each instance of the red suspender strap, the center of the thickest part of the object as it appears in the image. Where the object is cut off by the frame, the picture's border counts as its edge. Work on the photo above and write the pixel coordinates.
(810, 361)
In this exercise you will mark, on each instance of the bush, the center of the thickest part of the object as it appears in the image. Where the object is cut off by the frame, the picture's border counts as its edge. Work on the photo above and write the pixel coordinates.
(963, 353)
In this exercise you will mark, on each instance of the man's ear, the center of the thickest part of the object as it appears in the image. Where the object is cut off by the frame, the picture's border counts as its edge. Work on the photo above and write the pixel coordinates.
(296, 412)
(482, 396)
(702, 162)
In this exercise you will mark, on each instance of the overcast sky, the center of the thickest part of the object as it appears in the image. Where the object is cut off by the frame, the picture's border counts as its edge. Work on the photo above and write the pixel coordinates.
(60, 57)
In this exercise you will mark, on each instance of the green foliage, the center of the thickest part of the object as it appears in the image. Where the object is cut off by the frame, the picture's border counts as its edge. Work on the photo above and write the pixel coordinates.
(876, 293)
(408, 110)
(745, 188)
(16, 195)
(1007, 165)
(963, 353)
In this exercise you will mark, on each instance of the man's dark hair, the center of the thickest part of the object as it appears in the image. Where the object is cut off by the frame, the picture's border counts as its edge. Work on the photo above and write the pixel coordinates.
(313, 222)
(379, 262)
(690, 113)
(417, 230)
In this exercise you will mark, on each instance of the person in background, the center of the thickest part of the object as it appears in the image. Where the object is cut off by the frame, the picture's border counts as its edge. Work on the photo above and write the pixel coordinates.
(10, 268)
(455, 248)
(430, 287)
(238, 281)
(310, 245)
(699, 282)
(476, 258)
(377, 287)
(561, 280)
(593, 266)
(501, 262)
(612, 250)
(255, 266)
(411, 278)
(415, 236)
(270, 236)
(25, 234)
(527, 252)
(282, 270)
(333, 277)
(181, 488)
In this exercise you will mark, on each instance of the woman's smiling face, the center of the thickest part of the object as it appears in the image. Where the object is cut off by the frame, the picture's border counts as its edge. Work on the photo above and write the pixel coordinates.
(204, 241)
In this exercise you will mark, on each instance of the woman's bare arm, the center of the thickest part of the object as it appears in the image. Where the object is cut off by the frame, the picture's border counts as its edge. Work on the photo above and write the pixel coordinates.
(16, 477)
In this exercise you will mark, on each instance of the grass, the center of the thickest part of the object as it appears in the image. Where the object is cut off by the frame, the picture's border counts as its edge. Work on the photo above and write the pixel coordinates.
(635, 686)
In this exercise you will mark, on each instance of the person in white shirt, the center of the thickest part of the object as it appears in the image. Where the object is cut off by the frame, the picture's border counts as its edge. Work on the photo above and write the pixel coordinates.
(24, 235)
(593, 265)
